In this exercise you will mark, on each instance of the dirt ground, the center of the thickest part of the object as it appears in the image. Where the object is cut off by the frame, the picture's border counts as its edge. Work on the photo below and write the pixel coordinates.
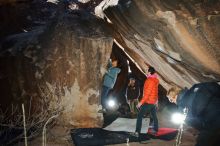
(60, 136)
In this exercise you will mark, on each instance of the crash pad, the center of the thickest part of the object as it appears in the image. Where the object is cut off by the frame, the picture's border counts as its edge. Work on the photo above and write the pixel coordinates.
(128, 125)
(163, 133)
(101, 137)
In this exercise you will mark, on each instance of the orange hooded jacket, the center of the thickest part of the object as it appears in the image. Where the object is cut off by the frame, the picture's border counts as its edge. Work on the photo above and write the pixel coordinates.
(150, 91)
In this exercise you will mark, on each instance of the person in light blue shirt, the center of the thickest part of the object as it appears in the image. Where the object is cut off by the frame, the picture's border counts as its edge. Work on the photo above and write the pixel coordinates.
(109, 81)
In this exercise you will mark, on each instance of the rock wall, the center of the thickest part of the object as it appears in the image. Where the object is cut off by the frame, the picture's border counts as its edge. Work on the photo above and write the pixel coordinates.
(59, 64)
(78, 61)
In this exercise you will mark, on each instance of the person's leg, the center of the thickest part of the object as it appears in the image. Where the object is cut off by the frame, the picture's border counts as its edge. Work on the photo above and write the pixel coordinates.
(104, 96)
(210, 134)
(135, 106)
(129, 105)
(143, 110)
(151, 124)
(132, 106)
(204, 138)
(154, 116)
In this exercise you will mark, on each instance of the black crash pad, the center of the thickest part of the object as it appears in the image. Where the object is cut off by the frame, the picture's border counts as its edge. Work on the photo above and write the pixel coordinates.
(101, 137)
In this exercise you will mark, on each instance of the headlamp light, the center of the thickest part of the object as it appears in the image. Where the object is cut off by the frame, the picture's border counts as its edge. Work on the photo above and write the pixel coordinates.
(178, 118)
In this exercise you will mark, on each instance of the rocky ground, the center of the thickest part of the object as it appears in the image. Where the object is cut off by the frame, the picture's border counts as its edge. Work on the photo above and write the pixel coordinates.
(59, 136)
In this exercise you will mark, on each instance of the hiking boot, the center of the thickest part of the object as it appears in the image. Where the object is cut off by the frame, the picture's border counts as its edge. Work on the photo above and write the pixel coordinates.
(153, 132)
(135, 134)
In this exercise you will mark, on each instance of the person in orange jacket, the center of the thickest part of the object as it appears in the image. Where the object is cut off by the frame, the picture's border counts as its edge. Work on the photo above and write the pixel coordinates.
(149, 101)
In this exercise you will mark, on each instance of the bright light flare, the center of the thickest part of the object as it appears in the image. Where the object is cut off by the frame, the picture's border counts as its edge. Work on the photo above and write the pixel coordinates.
(111, 103)
(178, 118)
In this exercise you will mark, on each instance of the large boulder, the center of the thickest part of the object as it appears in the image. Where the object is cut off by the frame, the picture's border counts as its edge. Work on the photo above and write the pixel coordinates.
(179, 38)
(57, 68)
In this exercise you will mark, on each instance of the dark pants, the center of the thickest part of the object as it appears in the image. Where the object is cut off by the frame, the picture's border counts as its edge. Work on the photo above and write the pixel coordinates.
(146, 109)
(104, 96)
(154, 117)
(210, 134)
(208, 138)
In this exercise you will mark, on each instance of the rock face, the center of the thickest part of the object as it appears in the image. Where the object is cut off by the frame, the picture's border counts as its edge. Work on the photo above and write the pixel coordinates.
(58, 64)
(79, 50)
(179, 38)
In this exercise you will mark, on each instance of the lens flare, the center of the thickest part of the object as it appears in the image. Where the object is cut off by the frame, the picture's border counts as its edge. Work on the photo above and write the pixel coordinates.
(178, 118)
(111, 103)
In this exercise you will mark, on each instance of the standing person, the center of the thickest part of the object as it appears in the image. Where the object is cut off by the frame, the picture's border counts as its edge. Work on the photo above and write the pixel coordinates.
(109, 81)
(132, 94)
(148, 101)
(203, 103)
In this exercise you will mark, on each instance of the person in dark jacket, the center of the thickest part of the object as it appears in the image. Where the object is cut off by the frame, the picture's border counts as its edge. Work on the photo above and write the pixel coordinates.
(109, 82)
(132, 94)
(203, 103)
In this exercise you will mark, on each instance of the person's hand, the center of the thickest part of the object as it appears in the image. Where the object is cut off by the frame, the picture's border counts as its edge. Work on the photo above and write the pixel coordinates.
(103, 71)
(139, 105)
(136, 101)
(157, 106)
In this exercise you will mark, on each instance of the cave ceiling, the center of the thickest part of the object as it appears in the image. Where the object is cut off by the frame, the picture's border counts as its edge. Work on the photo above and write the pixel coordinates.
(179, 38)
